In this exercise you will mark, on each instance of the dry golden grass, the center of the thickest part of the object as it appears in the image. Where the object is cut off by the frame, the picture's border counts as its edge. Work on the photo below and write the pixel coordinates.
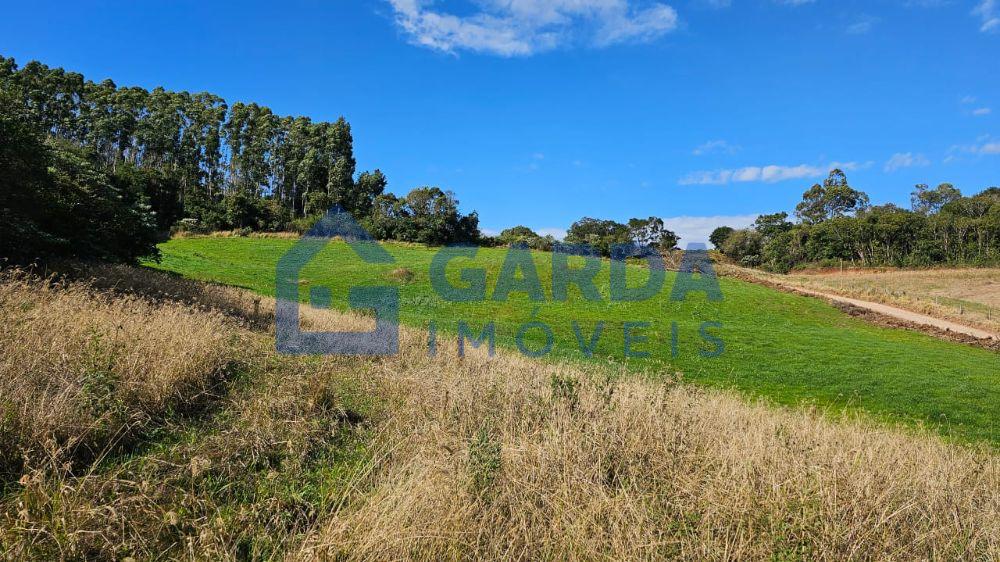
(80, 370)
(246, 308)
(511, 459)
(244, 486)
(968, 296)
(134, 425)
(417, 457)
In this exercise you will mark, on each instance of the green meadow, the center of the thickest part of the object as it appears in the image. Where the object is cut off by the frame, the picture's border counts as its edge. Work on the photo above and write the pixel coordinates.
(787, 348)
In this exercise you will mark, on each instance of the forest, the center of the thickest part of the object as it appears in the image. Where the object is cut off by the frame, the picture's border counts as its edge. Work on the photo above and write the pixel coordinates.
(160, 161)
(837, 224)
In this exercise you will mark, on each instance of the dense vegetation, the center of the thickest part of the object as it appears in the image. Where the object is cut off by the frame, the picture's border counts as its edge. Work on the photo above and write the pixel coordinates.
(56, 199)
(837, 222)
(180, 160)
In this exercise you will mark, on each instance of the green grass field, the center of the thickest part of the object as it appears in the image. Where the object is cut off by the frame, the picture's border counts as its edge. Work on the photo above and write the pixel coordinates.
(788, 348)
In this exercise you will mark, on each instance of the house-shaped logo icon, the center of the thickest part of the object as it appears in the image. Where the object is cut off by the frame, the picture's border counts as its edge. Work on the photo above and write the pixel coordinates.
(384, 300)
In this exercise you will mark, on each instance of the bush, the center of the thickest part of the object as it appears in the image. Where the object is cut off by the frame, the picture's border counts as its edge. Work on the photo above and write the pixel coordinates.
(744, 247)
(781, 252)
(719, 235)
(426, 215)
(524, 236)
(55, 201)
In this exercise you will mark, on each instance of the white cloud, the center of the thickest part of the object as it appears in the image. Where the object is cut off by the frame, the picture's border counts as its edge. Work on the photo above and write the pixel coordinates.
(716, 146)
(862, 25)
(982, 111)
(968, 99)
(728, 3)
(557, 233)
(905, 160)
(525, 27)
(717, 177)
(697, 229)
(988, 12)
(989, 148)
(766, 174)
(985, 146)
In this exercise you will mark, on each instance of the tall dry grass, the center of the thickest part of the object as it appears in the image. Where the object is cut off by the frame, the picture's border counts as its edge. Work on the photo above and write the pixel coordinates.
(246, 308)
(244, 485)
(127, 360)
(502, 458)
(81, 371)
(513, 459)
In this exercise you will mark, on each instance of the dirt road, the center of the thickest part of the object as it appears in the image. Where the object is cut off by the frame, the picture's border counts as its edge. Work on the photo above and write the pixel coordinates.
(902, 314)
(892, 315)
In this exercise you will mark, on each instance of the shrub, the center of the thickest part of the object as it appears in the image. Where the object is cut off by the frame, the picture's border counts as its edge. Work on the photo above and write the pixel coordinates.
(744, 247)
(55, 201)
(402, 274)
(524, 236)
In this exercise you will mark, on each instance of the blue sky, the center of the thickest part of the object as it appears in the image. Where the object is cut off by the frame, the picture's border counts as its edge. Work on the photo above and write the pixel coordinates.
(538, 113)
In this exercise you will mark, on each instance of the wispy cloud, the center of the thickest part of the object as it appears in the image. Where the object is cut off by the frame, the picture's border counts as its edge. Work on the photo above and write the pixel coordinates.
(902, 160)
(526, 27)
(716, 147)
(765, 174)
(988, 11)
(728, 3)
(984, 146)
(862, 26)
(968, 101)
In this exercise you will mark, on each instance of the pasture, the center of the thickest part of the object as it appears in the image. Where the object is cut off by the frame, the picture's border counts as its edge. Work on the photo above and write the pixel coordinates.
(787, 348)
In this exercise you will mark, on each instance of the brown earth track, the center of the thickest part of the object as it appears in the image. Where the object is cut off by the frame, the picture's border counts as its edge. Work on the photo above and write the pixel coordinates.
(880, 314)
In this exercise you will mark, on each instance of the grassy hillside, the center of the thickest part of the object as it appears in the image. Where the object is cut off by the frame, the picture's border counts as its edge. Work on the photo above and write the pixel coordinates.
(786, 347)
(220, 449)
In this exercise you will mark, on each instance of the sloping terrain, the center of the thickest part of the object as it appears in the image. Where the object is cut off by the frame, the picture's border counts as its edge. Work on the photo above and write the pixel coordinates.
(425, 457)
(786, 347)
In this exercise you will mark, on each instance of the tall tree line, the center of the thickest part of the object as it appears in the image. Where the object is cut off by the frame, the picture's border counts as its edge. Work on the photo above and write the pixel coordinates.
(235, 166)
(837, 223)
